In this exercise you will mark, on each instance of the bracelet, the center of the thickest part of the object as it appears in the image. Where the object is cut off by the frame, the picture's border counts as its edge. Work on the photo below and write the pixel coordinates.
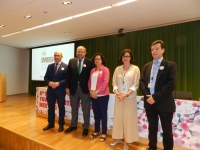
(127, 95)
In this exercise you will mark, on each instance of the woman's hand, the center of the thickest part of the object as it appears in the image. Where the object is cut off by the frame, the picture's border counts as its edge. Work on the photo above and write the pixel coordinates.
(93, 94)
(121, 97)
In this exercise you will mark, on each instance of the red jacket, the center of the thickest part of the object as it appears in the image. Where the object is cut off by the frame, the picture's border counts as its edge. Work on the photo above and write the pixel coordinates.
(102, 80)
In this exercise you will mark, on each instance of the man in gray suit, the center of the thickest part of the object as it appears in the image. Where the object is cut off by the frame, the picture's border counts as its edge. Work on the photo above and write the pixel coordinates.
(78, 73)
(158, 80)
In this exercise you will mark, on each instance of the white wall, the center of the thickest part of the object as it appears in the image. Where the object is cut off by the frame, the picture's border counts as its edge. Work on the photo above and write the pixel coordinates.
(14, 63)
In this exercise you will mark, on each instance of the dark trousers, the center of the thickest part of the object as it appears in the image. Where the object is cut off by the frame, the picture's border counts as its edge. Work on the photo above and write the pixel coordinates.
(166, 122)
(85, 103)
(100, 107)
(51, 100)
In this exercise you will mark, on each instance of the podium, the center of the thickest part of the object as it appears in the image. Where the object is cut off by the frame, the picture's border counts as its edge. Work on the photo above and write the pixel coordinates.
(2, 87)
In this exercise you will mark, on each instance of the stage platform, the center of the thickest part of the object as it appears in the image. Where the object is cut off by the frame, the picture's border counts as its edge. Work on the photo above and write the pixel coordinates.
(21, 129)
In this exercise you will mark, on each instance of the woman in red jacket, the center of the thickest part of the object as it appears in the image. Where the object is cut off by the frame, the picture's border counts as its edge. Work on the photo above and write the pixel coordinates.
(99, 93)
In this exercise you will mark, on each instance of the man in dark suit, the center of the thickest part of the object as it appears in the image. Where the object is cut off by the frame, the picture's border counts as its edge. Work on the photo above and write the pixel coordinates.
(55, 77)
(157, 82)
(78, 73)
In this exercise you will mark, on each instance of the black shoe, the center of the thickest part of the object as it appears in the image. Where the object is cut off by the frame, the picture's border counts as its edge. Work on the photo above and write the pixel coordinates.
(48, 127)
(70, 129)
(60, 129)
(85, 132)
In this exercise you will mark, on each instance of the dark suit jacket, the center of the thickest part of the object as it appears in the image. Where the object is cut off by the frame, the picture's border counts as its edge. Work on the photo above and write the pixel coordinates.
(73, 78)
(60, 77)
(165, 84)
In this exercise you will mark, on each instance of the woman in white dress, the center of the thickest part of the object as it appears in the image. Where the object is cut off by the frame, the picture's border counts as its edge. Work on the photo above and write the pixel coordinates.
(125, 84)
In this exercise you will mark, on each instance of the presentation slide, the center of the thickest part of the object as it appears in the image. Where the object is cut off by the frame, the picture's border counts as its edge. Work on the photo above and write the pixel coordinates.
(42, 57)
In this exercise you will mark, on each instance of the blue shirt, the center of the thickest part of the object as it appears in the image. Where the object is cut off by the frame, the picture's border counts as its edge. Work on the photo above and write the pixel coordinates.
(154, 72)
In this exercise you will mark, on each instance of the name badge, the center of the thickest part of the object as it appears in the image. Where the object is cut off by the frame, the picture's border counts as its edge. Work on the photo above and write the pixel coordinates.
(151, 85)
(123, 89)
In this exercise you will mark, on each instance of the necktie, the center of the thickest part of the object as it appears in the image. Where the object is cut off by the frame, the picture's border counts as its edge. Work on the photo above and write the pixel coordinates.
(154, 75)
(79, 66)
(55, 68)
(155, 67)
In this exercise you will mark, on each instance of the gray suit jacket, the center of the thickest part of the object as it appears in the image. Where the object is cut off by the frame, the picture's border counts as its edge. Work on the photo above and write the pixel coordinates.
(73, 78)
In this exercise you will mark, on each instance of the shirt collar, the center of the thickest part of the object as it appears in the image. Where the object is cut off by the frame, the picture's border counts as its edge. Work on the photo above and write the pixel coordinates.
(80, 59)
(159, 60)
(59, 62)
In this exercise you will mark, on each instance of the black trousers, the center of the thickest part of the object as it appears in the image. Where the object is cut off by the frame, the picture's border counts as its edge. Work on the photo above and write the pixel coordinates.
(100, 108)
(51, 100)
(153, 116)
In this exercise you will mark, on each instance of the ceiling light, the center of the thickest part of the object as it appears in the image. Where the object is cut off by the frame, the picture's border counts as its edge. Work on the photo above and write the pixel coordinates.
(71, 17)
(45, 11)
(11, 34)
(67, 3)
(28, 16)
(33, 28)
(122, 3)
(57, 21)
(1, 26)
(92, 11)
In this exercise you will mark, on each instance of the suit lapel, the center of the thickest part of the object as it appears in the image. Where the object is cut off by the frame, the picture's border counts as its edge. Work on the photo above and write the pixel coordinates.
(76, 65)
(84, 65)
(149, 71)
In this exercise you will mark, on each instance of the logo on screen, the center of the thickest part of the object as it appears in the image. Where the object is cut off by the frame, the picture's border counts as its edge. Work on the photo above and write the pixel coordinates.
(46, 59)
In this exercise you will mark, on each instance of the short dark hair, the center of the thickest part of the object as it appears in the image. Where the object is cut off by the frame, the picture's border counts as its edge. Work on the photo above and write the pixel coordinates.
(102, 58)
(157, 42)
(131, 54)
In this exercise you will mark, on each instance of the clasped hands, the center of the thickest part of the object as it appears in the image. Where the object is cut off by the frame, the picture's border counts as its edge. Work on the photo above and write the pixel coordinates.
(53, 84)
(93, 94)
(121, 96)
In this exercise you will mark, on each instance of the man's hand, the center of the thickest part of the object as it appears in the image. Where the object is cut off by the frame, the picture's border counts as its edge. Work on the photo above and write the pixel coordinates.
(55, 85)
(67, 91)
(51, 83)
(150, 99)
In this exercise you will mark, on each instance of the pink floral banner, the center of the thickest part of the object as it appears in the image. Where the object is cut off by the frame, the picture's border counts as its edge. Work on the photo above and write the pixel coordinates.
(186, 123)
(186, 120)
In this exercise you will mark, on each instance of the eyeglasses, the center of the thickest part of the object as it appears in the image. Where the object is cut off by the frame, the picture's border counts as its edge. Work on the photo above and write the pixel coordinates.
(126, 56)
(97, 59)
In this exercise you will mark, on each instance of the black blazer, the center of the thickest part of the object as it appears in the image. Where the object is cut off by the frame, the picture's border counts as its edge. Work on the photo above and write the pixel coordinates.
(73, 78)
(60, 77)
(165, 84)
